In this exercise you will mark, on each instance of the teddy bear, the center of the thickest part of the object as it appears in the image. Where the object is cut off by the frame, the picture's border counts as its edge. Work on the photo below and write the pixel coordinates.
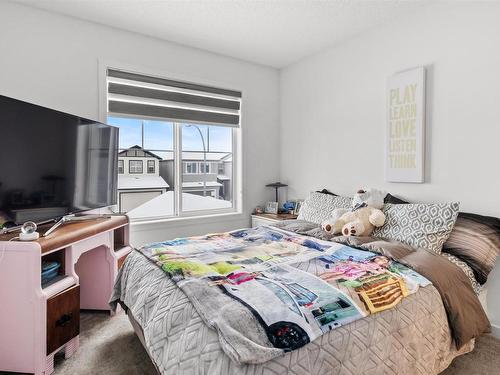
(362, 219)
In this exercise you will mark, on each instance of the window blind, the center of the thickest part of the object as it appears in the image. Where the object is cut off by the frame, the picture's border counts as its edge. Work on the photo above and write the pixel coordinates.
(134, 94)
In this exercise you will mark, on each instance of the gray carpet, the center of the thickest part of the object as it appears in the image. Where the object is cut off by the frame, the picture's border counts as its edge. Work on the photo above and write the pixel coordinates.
(484, 359)
(109, 346)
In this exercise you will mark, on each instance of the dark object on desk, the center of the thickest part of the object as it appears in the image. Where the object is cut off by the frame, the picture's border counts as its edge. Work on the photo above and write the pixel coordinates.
(276, 185)
(74, 218)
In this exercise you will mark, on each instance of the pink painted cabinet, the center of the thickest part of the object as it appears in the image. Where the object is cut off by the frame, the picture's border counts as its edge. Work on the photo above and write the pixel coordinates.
(37, 322)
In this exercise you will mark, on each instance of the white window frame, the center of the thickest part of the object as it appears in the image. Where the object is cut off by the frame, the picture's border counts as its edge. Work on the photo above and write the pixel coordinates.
(122, 162)
(132, 170)
(237, 165)
(209, 167)
(185, 167)
(198, 164)
(148, 161)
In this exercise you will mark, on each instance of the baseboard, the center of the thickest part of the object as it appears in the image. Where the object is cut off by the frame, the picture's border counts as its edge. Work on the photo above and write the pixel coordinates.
(495, 330)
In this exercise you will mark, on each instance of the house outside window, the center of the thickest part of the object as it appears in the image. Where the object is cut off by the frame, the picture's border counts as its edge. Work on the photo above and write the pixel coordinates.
(135, 166)
(120, 167)
(203, 153)
(151, 166)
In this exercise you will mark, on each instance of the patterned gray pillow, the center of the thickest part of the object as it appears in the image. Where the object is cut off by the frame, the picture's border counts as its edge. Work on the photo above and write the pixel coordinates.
(420, 225)
(318, 207)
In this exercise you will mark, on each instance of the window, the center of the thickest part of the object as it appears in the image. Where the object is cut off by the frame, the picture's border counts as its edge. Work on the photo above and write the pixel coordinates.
(140, 194)
(197, 167)
(210, 145)
(120, 167)
(135, 166)
(151, 166)
(191, 130)
(190, 167)
(204, 167)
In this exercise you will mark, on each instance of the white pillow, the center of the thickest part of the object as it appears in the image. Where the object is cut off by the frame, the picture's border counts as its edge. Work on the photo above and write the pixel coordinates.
(318, 207)
(419, 225)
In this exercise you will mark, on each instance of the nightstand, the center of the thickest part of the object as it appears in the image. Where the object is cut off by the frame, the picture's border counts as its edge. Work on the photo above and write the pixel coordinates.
(268, 219)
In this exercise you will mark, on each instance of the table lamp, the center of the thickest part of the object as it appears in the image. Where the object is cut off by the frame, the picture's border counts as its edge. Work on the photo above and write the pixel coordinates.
(276, 185)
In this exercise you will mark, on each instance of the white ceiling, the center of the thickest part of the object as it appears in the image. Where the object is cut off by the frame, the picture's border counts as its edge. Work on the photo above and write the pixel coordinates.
(273, 32)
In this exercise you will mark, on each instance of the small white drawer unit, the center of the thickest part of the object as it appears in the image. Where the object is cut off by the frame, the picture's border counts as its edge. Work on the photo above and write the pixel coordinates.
(269, 219)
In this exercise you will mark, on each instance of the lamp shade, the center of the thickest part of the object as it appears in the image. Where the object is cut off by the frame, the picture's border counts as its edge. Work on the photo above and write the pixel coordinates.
(276, 185)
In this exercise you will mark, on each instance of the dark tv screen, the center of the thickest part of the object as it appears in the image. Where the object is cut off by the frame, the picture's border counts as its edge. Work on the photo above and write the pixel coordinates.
(53, 163)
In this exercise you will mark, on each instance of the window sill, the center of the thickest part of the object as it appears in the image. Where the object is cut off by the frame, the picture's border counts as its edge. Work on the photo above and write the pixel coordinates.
(187, 220)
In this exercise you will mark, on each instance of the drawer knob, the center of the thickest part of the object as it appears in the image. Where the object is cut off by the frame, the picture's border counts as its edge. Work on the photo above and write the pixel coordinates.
(64, 320)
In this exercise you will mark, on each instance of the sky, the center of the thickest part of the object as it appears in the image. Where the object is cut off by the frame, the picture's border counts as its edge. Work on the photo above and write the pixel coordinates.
(158, 135)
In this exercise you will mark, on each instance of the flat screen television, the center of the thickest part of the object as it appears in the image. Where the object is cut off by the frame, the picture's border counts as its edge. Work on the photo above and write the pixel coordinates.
(53, 163)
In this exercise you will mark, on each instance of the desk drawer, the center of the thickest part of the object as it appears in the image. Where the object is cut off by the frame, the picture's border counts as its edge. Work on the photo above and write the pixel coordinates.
(256, 221)
(63, 318)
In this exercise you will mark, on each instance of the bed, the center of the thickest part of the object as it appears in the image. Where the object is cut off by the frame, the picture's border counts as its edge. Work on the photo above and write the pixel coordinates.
(420, 334)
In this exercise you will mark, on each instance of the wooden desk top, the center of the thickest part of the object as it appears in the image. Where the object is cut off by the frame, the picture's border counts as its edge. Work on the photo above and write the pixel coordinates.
(72, 232)
(277, 216)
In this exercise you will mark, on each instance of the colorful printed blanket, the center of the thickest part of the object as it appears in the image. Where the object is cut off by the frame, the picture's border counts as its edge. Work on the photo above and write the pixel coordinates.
(267, 291)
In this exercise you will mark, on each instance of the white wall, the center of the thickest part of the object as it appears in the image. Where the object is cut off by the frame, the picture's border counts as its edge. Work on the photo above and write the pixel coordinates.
(333, 111)
(52, 60)
(332, 104)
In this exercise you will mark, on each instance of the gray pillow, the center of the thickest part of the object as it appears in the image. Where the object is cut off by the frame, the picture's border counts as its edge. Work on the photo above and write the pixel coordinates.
(419, 225)
(318, 207)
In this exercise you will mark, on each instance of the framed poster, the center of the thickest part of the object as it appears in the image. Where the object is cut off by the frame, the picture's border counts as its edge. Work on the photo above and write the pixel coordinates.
(405, 135)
